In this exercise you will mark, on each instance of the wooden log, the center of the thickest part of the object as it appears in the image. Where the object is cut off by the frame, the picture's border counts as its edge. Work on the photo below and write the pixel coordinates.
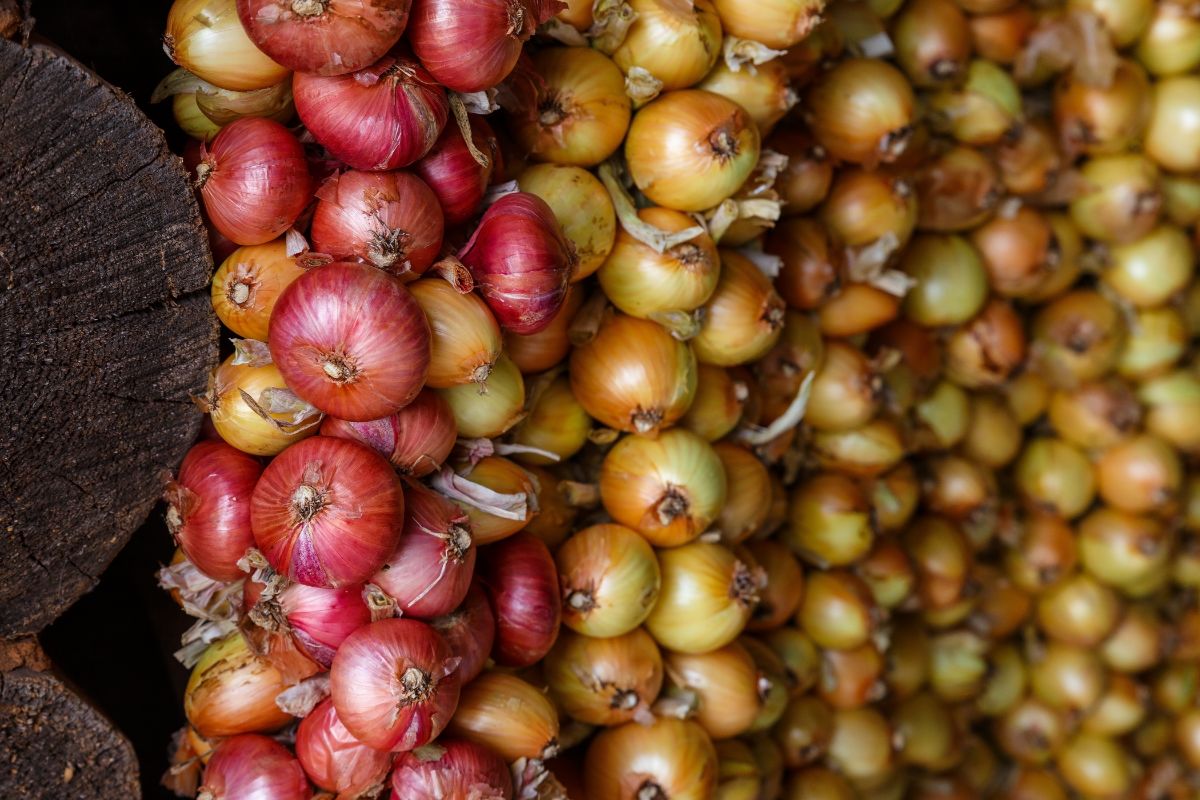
(105, 329)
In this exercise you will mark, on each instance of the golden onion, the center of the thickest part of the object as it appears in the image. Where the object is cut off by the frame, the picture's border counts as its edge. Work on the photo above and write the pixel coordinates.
(610, 580)
(269, 421)
(764, 91)
(206, 38)
(247, 284)
(484, 411)
(669, 758)
(465, 337)
(743, 318)
(676, 41)
(508, 715)
(604, 681)
(707, 596)
(554, 422)
(776, 23)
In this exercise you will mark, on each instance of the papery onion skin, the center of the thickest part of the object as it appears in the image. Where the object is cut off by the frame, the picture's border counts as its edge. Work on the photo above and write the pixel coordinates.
(247, 285)
(522, 582)
(328, 512)
(671, 758)
(390, 220)
(466, 339)
(507, 714)
(254, 180)
(416, 439)
(610, 580)
(582, 207)
(351, 340)
(335, 37)
(252, 767)
(458, 180)
(209, 511)
(506, 477)
(233, 691)
(470, 631)
(333, 759)
(394, 684)
(451, 768)
(744, 316)
(238, 423)
(318, 619)
(207, 38)
(384, 116)
(706, 599)
(604, 681)
(677, 43)
(521, 261)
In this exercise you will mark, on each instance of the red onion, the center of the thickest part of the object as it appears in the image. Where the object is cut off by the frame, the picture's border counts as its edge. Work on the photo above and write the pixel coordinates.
(209, 507)
(385, 116)
(522, 582)
(327, 512)
(253, 767)
(442, 32)
(317, 619)
(389, 219)
(254, 180)
(521, 261)
(334, 759)
(394, 684)
(351, 340)
(416, 439)
(430, 571)
(451, 768)
(470, 631)
(326, 37)
(458, 180)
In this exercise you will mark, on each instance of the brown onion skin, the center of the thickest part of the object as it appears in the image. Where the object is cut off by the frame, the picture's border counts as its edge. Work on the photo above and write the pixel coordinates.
(470, 630)
(451, 768)
(522, 582)
(456, 178)
(253, 767)
(416, 439)
(342, 37)
(332, 758)
(521, 261)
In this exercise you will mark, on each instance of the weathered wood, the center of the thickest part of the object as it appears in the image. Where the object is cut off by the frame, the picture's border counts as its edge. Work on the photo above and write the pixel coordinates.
(105, 327)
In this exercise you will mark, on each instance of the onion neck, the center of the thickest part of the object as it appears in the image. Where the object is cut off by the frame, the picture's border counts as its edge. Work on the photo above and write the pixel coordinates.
(339, 369)
(388, 246)
(650, 791)
(458, 542)
(893, 143)
(516, 19)
(415, 686)
(307, 501)
(240, 293)
(625, 699)
(743, 587)
(723, 143)
(581, 600)
(204, 171)
(309, 8)
(481, 373)
(674, 504)
(552, 111)
(689, 255)
(646, 421)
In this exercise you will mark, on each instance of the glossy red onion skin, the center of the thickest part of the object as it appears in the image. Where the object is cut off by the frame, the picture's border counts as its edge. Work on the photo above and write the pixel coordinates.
(209, 513)
(253, 767)
(458, 180)
(521, 262)
(254, 180)
(522, 583)
(351, 535)
(426, 575)
(492, 31)
(470, 630)
(366, 687)
(416, 439)
(319, 619)
(355, 318)
(333, 759)
(347, 36)
(382, 117)
(463, 770)
(390, 220)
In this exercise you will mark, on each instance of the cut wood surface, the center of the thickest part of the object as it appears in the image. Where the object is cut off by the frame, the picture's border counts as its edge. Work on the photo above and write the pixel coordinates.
(105, 329)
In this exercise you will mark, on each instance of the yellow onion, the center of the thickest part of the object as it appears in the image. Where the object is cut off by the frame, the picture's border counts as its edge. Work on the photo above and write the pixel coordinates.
(507, 478)
(206, 38)
(845, 391)
(776, 23)
(1095, 766)
(1172, 404)
(487, 410)
(851, 678)
(708, 595)
(1149, 270)
(830, 520)
(950, 284)
(1056, 476)
(783, 370)
(1078, 610)
(247, 284)
(634, 376)
(676, 41)
(744, 317)
(860, 744)
(669, 758)
(784, 586)
(555, 422)
(556, 514)
(894, 497)
(604, 681)
(1181, 198)
(582, 207)
(739, 776)
(862, 111)
(865, 206)
(508, 715)
(932, 41)
(868, 450)
(1001, 36)
(763, 90)
(1066, 677)
(804, 182)
(269, 421)
(725, 684)
(1102, 120)
(800, 656)
(219, 107)
(838, 611)
(578, 14)
(812, 263)
(668, 489)
(748, 493)
(1095, 415)
(1141, 475)
(1170, 45)
(1121, 200)
(1121, 549)
(1029, 160)
(691, 149)
(957, 190)
(858, 308)
(194, 122)
(610, 580)
(718, 405)
(645, 283)
(1137, 643)
(1158, 337)
(1124, 19)
(582, 111)
(538, 352)
(983, 109)
(1120, 710)
(818, 783)
(232, 691)
(466, 338)
(1078, 337)
(1174, 128)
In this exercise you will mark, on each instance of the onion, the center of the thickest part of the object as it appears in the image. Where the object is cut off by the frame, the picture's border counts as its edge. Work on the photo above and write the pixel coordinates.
(726, 686)
(691, 149)
(1100, 120)
(764, 90)
(634, 376)
(982, 110)
(748, 489)
(1170, 45)
(1121, 199)
(391, 220)
(453, 173)
(677, 43)
(1150, 270)
(706, 599)
(831, 522)
(862, 111)
(416, 439)
(605, 681)
(557, 512)
(743, 318)
(555, 423)
(252, 408)
(328, 512)
(719, 403)
(430, 571)
(247, 285)
(1078, 336)
(670, 758)
(333, 759)
(866, 207)
(543, 350)
(491, 408)
(251, 767)
(384, 116)
(318, 619)
(206, 37)
(522, 582)
(254, 180)
(233, 691)
(932, 40)
(394, 684)
(191, 119)
(780, 596)
(470, 631)
(508, 715)
(208, 510)
(950, 284)
(610, 580)
(451, 768)
(668, 489)
(582, 207)
(811, 266)
(465, 337)
(325, 37)
(351, 340)
(857, 308)
(957, 190)
(497, 517)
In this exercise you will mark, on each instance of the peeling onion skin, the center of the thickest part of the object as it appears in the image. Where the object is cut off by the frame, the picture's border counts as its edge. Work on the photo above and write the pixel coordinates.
(452, 768)
(333, 759)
